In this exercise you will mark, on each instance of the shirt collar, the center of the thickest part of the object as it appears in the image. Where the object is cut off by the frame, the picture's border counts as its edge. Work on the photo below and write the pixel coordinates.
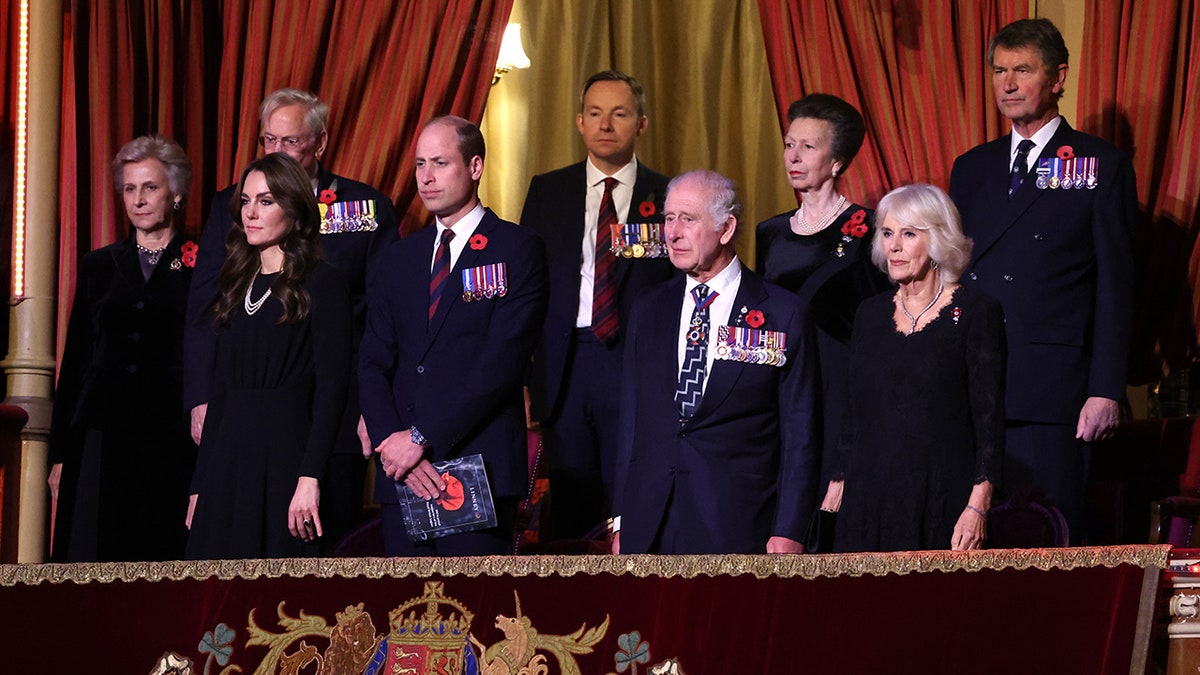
(465, 226)
(625, 175)
(723, 283)
(1041, 138)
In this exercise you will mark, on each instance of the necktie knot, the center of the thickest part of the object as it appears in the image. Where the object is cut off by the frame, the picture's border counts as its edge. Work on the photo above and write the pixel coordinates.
(610, 183)
(1019, 164)
(447, 235)
(1019, 168)
(700, 295)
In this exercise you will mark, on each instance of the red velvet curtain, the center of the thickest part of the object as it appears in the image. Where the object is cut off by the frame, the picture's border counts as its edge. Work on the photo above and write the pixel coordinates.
(914, 68)
(1140, 89)
(197, 71)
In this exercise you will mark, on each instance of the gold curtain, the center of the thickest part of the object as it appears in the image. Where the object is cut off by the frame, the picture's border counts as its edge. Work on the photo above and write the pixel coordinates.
(708, 96)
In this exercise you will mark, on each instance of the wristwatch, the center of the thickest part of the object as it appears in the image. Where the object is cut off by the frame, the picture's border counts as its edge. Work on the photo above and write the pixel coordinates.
(417, 437)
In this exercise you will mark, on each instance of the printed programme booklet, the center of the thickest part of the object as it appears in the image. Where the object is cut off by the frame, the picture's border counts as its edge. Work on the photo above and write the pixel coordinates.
(466, 504)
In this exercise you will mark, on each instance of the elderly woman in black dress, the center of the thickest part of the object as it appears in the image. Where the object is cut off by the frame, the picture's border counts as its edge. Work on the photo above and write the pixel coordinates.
(284, 323)
(821, 251)
(120, 451)
(924, 434)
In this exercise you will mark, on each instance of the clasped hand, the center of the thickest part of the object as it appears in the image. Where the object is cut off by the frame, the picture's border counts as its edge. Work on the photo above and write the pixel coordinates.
(404, 460)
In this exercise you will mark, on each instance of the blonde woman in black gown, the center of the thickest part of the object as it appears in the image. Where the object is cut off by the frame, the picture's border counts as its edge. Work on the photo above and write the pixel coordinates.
(924, 436)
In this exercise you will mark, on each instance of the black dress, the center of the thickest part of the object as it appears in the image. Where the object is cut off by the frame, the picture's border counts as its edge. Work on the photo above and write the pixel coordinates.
(832, 273)
(925, 424)
(278, 399)
(118, 427)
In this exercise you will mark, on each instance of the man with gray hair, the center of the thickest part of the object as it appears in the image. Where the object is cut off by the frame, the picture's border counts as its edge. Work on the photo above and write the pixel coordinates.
(357, 221)
(718, 452)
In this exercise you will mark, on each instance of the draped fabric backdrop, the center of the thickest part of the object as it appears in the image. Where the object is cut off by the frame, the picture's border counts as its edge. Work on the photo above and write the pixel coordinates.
(197, 71)
(915, 70)
(1140, 88)
(708, 96)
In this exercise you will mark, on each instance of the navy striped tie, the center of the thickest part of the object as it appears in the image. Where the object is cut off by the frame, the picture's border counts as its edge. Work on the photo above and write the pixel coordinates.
(695, 356)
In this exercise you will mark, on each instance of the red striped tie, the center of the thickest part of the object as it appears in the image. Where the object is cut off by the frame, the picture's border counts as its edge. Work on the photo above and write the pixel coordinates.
(604, 286)
(440, 271)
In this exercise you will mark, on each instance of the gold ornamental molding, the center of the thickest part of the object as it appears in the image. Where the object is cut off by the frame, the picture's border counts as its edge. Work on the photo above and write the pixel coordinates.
(759, 566)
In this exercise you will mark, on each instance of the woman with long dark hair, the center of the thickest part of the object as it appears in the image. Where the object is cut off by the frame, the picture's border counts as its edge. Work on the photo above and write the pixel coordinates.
(283, 320)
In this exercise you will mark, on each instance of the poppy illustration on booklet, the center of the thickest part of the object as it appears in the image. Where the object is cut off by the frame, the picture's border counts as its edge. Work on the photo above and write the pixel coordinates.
(465, 505)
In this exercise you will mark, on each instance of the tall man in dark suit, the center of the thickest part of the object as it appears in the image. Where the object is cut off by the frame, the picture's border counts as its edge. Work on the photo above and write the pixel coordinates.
(577, 366)
(357, 221)
(441, 375)
(718, 452)
(1051, 211)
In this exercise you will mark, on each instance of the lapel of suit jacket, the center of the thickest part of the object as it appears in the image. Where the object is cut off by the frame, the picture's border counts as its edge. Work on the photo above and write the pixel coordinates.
(1007, 211)
(662, 333)
(452, 293)
(751, 294)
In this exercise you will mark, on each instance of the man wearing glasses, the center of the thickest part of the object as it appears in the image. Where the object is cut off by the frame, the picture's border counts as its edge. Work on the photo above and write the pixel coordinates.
(357, 221)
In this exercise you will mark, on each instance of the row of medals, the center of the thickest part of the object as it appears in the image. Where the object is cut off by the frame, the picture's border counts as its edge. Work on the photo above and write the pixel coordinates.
(490, 290)
(770, 353)
(348, 216)
(1067, 174)
(638, 240)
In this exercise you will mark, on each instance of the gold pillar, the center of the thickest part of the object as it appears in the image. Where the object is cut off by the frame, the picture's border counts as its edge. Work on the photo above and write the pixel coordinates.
(30, 363)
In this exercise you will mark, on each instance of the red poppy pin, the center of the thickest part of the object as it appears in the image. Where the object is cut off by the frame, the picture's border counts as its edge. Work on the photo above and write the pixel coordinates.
(327, 196)
(755, 318)
(856, 227)
(478, 242)
(187, 253)
(647, 208)
(1066, 152)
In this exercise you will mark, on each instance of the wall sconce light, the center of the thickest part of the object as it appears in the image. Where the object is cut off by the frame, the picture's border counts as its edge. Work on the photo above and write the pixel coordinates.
(512, 54)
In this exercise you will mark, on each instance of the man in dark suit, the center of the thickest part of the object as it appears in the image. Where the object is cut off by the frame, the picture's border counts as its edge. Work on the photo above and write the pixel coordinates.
(441, 375)
(577, 366)
(357, 221)
(718, 452)
(1051, 211)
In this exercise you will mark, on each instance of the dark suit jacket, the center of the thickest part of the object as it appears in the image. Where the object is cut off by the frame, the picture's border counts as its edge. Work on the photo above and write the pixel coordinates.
(554, 208)
(458, 377)
(1061, 264)
(744, 467)
(348, 251)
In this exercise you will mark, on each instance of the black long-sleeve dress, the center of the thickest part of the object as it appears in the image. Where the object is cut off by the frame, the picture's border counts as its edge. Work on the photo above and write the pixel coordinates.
(118, 424)
(925, 424)
(832, 273)
(279, 394)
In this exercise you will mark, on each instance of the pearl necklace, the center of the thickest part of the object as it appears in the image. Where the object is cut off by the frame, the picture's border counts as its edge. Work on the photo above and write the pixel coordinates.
(253, 306)
(803, 226)
(152, 254)
(914, 320)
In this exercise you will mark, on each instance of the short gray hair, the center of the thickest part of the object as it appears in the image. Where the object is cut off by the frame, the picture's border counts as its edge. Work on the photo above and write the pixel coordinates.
(165, 150)
(722, 193)
(926, 208)
(316, 112)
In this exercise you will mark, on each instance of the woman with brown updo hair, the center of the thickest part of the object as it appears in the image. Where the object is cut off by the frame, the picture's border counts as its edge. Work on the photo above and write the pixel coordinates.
(283, 322)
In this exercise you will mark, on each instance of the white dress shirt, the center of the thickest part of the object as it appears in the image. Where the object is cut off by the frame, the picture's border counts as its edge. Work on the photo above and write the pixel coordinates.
(622, 195)
(1040, 139)
(725, 284)
(463, 230)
